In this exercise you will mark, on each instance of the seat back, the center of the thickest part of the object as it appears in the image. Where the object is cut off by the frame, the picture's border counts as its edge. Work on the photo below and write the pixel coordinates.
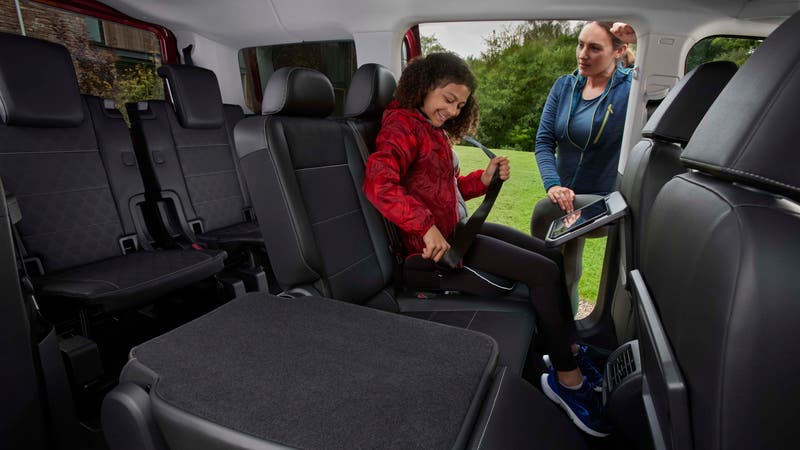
(656, 158)
(51, 161)
(305, 172)
(187, 150)
(371, 89)
(717, 283)
(653, 161)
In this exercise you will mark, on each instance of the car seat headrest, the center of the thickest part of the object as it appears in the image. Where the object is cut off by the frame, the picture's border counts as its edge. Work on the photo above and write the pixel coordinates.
(195, 95)
(371, 89)
(298, 91)
(749, 133)
(38, 85)
(681, 111)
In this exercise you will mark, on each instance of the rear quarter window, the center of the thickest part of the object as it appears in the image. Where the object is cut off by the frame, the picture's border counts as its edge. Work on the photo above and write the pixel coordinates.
(111, 60)
(337, 60)
(721, 48)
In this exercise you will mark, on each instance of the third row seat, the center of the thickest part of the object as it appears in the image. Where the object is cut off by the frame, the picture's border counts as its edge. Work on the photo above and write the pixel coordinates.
(188, 159)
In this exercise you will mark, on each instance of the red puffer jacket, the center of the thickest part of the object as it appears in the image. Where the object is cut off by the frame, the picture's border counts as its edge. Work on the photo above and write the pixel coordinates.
(410, 177)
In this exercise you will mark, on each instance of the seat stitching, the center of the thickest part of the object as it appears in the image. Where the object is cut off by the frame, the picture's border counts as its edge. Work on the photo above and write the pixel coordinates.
(491, 411)
(351, 265)
(469, 325)
(202, 174)
(65, 191)
(348, 213)
(741, 172)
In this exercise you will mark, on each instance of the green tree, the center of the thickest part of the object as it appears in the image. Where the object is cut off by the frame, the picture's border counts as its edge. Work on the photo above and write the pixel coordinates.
(137, 83)
(515, 75)
(431, 44)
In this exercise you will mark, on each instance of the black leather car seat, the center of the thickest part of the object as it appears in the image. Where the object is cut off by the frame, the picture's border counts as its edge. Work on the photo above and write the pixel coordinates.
(189, 158)
(653, 161)
(326, 238)
(717, 284)
(68, 163)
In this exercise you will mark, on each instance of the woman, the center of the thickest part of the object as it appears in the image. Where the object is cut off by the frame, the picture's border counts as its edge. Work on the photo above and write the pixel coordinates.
(411, 179)
(580, 133)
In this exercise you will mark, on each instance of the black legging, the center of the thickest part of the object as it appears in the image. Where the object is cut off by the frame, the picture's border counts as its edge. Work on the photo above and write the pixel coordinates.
(511, 254)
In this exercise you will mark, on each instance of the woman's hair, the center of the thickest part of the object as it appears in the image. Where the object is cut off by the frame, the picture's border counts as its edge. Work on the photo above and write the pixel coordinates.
(426, 73)
(616, 42)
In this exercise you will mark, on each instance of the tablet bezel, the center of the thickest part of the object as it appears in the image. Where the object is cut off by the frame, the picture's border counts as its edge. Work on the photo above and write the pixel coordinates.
(616, 207)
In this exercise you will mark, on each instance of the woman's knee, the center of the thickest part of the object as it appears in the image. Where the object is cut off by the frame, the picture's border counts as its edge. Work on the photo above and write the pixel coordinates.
(543, 214)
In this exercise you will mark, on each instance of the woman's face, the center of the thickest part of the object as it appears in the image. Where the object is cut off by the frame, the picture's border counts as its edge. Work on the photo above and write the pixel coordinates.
(445, 102)
(595, 52)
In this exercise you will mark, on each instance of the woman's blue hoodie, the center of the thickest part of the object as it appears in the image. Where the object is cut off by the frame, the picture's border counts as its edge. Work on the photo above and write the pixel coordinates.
(589, 170)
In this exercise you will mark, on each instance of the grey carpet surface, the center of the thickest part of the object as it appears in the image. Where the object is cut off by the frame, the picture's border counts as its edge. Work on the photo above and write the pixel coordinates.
(314, 373)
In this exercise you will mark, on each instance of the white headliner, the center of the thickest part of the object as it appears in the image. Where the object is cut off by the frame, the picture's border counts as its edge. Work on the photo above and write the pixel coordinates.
(245, 23)
(666, 30)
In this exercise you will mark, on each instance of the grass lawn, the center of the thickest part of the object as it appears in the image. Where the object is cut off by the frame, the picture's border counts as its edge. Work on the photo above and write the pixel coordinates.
(515, 205)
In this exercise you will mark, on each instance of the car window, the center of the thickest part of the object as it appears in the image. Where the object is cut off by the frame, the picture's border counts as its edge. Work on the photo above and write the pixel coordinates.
(721, 48)
(337, 60)
(111, 60)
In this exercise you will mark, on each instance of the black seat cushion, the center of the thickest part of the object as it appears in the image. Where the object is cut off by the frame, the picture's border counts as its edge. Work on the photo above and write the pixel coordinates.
(316, 373)
(122, 281)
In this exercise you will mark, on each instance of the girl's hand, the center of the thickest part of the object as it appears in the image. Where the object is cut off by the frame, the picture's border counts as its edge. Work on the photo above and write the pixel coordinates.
(435, 244)
(497, 163)
(563, 197)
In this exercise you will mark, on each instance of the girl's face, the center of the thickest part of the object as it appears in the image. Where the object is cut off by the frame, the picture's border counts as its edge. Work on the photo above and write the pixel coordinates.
(445, 102)
(595, 52)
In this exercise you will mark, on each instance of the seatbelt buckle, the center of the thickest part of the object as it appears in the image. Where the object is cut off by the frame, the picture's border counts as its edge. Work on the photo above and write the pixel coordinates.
(33, 266)
(196, 226)
(248, 214)
(129, 244)
(197, 246)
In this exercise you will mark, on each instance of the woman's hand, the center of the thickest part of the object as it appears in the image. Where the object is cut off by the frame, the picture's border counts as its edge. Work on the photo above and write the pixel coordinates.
(624, 32)
(497, 163)
(563, 197)
(435, 244)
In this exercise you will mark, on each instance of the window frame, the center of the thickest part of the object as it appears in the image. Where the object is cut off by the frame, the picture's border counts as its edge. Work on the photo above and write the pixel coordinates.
(92, 8)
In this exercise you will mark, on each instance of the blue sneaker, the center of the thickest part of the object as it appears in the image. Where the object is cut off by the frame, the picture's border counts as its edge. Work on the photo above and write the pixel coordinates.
(588, 369)
(582, 405)
(594, 376)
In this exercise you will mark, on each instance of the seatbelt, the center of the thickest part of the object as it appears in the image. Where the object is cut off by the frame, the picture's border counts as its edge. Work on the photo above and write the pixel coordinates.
(187, 55)
(395, 246)
(463, 235)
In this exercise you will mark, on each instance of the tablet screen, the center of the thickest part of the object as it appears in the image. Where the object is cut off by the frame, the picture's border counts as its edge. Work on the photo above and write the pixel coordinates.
(576, 219)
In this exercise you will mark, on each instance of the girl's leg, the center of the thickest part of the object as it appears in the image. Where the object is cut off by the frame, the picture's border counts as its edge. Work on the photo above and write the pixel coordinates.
(545, 283)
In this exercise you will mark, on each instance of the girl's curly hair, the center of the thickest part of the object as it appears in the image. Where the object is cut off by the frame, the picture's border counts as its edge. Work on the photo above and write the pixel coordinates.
(425, 73)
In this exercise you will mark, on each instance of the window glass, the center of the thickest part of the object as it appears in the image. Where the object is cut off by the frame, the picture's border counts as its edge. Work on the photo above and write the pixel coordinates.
(111, 60)
(337, 60)
(718, 48)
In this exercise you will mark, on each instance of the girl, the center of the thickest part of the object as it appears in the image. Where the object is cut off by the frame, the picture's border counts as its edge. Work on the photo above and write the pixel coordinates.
(411, 180)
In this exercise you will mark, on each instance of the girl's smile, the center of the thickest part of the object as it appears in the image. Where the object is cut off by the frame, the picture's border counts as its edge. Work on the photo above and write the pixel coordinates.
(445, 102)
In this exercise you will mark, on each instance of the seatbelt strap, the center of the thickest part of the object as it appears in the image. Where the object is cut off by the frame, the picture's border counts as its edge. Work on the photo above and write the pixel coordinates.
(464, 235)
(395, 246)
(187, 55)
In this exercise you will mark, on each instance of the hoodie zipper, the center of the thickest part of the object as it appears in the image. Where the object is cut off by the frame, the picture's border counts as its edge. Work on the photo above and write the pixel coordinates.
(609, 111)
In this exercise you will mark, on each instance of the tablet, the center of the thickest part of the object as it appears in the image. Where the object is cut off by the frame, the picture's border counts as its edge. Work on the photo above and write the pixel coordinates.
(586, 219)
